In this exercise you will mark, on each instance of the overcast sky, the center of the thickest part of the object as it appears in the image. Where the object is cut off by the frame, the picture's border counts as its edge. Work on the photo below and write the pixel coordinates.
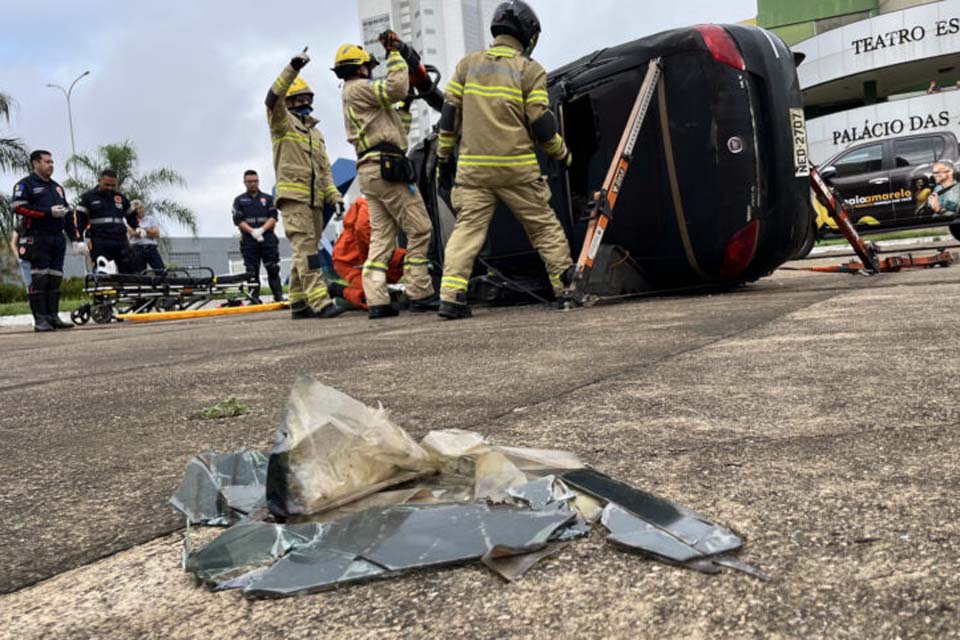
(185, 80)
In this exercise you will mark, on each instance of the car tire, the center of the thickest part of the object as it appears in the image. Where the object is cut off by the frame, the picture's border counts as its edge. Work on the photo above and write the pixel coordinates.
(808, 242)
(955, 230)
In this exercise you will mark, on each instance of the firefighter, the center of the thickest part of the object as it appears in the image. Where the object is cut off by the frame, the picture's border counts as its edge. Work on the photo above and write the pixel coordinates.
(494, 101)
(104, 215)
(42, 204)
(378, 130)
(350, 254)
(256, 217)
(304, 185)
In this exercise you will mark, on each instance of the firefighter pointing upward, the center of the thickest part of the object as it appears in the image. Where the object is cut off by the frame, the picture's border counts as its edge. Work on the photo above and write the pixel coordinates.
(304, 185)
(495, 100)
(378, 130)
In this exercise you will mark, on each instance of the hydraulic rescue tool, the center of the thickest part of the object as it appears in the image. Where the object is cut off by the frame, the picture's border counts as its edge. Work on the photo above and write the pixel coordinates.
(424, 78)
(602, 204)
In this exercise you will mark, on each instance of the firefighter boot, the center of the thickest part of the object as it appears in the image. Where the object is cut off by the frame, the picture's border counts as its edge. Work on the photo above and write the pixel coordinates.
(38, 306)
(453, 311)
(379, 311)
(423, 305)
(332, 310)
(53, 311)
(301, 311)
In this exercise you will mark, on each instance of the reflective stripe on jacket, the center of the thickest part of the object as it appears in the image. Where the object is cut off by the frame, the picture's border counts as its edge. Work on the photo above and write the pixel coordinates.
(299, 153)
(498, 94)
(369, 115)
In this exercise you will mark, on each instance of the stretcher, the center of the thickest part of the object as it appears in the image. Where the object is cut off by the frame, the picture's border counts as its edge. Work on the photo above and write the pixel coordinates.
(120, 296)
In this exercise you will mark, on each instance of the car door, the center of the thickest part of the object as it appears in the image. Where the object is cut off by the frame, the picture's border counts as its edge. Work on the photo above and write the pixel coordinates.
(910, 179)
(860, 178)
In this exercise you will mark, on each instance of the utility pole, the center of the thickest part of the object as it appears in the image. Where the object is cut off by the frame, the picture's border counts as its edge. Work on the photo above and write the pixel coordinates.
(66, 93)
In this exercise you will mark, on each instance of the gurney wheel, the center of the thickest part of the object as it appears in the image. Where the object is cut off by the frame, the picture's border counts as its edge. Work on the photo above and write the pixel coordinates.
(102, 313)
(81, 315)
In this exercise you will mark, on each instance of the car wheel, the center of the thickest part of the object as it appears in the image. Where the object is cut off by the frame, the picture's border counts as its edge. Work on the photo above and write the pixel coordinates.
(955, 230)
(808, 242)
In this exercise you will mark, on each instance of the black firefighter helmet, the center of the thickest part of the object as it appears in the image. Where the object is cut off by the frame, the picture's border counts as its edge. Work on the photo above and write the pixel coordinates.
(517, 19)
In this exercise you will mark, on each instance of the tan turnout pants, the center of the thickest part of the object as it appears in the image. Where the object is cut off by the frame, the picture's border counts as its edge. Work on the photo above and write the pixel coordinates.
(393, 205)
(303, 225)
(530, 204)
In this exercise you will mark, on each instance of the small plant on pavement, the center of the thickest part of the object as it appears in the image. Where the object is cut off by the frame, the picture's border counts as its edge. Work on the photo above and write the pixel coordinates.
(229, 408)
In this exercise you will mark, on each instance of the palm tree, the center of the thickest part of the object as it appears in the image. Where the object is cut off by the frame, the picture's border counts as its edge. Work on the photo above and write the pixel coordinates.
(13, 157)
(122, 157)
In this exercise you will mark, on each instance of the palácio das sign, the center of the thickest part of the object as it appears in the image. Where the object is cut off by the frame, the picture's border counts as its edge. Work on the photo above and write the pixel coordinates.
(885, 129)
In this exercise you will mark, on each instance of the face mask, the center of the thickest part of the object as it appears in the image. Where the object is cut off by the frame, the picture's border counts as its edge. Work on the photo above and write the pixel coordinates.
(303, 110)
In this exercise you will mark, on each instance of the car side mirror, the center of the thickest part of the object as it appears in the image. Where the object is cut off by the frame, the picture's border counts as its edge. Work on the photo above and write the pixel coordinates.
(828, 172)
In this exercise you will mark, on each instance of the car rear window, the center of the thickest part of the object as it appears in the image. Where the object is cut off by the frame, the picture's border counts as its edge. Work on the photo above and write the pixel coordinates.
(863, 160)
(911, 152)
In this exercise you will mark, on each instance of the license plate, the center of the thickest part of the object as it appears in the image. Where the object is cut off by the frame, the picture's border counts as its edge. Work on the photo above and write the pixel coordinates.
(801, 155)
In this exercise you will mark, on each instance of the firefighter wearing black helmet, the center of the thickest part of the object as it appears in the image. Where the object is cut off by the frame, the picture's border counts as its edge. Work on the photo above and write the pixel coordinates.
(494, 101)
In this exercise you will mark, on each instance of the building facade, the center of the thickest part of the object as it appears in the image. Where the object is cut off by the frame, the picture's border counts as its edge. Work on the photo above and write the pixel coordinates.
(442, 31)
(872, 69)
(796, 21)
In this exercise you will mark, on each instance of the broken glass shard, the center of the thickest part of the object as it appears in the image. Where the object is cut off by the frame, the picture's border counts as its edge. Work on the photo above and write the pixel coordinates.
(209, 492)
(630, 531)
(310, 569)
(246, 545)
(405, 537)
(686, 526)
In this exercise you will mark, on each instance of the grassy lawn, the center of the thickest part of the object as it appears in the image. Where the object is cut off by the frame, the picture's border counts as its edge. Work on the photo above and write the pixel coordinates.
(22, 308)
(941, 233)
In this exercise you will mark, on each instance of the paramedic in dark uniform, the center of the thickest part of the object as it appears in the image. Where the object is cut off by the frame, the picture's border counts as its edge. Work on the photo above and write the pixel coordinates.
(42, 205)
(105, 214)
(256, 216)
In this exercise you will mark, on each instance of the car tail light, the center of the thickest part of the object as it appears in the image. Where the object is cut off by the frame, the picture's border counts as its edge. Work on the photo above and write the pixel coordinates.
(740, 250)
(721, 45)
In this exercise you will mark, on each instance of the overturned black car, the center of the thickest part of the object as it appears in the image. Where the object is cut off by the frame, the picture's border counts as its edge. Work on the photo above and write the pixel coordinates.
(717, 192)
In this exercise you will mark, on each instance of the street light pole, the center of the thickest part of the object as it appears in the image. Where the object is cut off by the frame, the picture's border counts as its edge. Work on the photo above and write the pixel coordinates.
(66, 93)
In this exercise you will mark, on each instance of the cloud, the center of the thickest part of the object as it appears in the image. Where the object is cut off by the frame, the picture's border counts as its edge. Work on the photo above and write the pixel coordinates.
(186, 80)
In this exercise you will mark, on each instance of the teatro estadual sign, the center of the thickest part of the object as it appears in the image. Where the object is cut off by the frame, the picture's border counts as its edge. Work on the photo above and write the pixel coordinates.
(899, 37)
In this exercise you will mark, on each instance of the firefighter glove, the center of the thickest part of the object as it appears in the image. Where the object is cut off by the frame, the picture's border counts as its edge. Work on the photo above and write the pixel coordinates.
(300, 60)
(257, 234)
(390, 41)
(445, 173)
(58, 211)
(340, 211)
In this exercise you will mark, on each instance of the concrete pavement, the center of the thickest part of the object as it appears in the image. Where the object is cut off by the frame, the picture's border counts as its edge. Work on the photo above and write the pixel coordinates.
(817, 414)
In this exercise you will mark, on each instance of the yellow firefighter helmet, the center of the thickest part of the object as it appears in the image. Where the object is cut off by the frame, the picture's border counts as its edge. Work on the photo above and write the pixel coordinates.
(350, 55)
(299, 88)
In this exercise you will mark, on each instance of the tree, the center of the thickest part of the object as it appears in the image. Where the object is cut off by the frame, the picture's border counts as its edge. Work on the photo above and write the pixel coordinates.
(13, 157)
(13, 154)
(122, 157)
